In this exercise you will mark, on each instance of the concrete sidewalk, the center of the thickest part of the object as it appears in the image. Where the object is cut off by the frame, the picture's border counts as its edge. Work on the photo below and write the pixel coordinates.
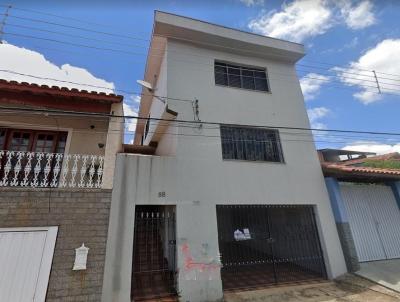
(349, 288)
(385, 272)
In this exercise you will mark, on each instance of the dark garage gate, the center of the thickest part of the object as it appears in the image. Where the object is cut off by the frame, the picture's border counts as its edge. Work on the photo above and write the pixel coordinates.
(268, 244)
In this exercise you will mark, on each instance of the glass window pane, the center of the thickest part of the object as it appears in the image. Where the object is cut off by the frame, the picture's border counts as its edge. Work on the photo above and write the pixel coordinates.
(261, 84)
(232, 69)
(20, 141)
(248, 79)
(240, 77)
(62, 140)
(2, 138)
(44, 143)
(243, 143)
(260, 74)
(221, 77)
(234, 81)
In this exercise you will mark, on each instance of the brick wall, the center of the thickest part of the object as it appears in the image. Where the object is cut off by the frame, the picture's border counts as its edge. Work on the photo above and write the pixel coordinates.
(82, 216)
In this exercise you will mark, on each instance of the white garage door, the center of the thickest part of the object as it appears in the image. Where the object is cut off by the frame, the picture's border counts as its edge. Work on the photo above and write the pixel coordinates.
(26, 255)
(374, 218)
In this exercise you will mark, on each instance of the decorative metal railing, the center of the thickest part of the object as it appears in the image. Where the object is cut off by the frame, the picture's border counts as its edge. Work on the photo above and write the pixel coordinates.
(51, 170)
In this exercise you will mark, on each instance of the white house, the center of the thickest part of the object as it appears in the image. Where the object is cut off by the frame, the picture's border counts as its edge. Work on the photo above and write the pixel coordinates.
(234, 200)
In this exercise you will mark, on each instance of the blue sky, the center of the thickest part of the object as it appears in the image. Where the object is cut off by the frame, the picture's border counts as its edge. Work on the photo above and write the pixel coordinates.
(351, 35)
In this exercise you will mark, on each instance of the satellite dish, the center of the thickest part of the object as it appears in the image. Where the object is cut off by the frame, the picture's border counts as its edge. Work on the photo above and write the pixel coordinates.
(145, 85)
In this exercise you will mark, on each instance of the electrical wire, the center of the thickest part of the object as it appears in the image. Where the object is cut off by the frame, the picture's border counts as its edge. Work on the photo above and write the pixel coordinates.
(95, 86)
(189, 40)
(80, 113)
(295, 80)
(76, 27)
(351, 81)
(205, 128)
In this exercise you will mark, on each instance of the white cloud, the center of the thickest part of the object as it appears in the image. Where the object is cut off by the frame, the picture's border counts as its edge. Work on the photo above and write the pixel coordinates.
(315, 115)
(374, 147)
(302, 19)
(296, 21)
(135, 99)
(130, 109)
(311, 84)
(385, 56)
(358, 16)
(22, 60)
(252, 2)
(130, 123)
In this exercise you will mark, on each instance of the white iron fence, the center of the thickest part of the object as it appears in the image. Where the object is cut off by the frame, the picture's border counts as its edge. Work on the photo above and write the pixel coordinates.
(54, 170)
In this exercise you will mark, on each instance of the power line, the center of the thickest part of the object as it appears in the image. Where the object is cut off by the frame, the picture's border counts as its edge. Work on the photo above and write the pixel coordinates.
(73, 36)
(344, 78)
(80, 113)
(373, 77)
(350, 81)
(51, 15)
(95, 86)
(322, 139)
(190, 40)
(74, 44)
(295, 80)
(79, 28)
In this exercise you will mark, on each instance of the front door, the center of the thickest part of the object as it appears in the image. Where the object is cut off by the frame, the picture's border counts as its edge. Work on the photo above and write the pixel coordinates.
(267, 244)
(154, 252)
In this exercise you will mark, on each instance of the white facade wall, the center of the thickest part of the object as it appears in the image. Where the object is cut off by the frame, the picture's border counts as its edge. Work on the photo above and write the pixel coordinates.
(196, 179)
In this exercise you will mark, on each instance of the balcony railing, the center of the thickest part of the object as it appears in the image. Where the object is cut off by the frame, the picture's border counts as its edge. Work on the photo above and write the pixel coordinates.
(50, 170)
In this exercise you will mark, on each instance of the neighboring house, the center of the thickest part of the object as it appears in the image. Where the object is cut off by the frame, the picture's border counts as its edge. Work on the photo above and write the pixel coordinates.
(364, 191)
(202, 208)
(57, 157)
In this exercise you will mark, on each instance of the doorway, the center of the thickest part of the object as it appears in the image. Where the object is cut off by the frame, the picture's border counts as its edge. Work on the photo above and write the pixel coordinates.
(154, 253)
(268, 244)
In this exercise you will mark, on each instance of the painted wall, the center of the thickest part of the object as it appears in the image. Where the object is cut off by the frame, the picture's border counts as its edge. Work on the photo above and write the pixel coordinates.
(82, 139)
(204, 176)
(196, 179)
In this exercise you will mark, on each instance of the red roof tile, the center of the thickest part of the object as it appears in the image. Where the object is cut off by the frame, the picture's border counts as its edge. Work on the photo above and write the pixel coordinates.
(59, 91)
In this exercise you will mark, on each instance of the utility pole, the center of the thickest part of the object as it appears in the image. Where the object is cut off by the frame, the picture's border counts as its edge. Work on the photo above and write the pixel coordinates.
(377, 82)
(3, 22)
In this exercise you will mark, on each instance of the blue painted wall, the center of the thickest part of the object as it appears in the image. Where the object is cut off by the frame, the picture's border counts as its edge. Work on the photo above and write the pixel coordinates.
(335, 196)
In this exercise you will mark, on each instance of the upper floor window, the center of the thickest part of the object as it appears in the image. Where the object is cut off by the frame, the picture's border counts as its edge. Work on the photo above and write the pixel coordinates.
(32, 140)
(246, 143)
(240, 76)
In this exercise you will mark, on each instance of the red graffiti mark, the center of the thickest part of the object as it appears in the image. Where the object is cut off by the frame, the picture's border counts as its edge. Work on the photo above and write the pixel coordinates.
(190, 264)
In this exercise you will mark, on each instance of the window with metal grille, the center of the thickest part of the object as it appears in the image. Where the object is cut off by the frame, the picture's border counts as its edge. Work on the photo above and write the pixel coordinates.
(254, 144)
(240, 76)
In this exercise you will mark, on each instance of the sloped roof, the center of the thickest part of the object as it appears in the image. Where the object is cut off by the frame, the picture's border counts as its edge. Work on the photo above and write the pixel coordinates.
(351, 168)
(65, 92)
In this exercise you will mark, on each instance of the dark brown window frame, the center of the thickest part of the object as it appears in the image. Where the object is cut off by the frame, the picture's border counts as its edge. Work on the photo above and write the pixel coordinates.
(34, 133)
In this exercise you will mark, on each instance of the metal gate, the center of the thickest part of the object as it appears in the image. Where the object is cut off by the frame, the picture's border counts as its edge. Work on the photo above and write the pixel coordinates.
(154, 252)
(374, 219)
(268, 244)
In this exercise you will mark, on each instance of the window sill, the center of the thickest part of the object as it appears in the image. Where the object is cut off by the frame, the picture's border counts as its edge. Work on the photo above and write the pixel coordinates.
(243, 89)
(254, 161)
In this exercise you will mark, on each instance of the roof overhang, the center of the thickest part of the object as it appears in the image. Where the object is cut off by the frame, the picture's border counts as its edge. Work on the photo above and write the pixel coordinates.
(362, 174)
(223, 38)
(170, 26)
(62, 98)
